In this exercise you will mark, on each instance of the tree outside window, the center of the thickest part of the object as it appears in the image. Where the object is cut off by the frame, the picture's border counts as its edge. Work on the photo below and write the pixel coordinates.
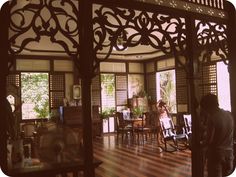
(166, 88)
(34, 95)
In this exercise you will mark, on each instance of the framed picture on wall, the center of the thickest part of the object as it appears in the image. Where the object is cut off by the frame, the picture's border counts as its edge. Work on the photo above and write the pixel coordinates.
(76, 92)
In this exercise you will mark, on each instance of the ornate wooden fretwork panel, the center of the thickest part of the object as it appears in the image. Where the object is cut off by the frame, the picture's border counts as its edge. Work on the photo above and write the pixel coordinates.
(30, 20)
(212, 41)
(59, 22)
(160, 31)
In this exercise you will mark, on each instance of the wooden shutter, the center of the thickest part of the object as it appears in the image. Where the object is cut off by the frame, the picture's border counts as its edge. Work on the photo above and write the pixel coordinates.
(208, 79)
(56, 89)
(121, 90)
(13, 79)
(151, 85)
(181, 86)
(96, 91)
(14, 89)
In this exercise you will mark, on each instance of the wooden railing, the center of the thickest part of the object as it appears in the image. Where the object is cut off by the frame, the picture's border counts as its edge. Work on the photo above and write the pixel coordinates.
(218, 4)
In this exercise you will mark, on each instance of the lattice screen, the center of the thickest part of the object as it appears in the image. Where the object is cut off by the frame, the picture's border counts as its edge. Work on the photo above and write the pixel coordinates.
(121, 90)
(56, 89)
(13, 88)
(208, 79)
(181, 86)
(96, 91)
(151, 86)
(13, 79)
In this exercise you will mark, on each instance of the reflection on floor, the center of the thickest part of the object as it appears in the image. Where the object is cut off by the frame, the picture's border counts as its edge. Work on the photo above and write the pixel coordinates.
(132, 160)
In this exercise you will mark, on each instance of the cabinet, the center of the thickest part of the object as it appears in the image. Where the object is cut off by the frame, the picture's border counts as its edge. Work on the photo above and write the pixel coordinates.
(72, 116)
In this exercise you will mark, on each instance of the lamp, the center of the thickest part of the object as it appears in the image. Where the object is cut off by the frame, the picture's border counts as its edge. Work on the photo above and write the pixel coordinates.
(120, 41)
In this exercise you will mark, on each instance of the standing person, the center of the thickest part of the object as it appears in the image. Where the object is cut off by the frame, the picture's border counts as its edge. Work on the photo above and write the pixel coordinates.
(219, 140)
(162, 110)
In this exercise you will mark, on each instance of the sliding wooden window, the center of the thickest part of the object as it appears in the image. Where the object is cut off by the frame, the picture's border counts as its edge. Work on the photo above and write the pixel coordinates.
(181, 86)
(151, 85)
(56, 89)
(208, 79)
(96, 91)
(121, 89)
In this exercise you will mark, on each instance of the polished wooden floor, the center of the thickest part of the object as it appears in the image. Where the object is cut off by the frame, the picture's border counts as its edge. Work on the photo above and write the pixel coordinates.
(127, 159)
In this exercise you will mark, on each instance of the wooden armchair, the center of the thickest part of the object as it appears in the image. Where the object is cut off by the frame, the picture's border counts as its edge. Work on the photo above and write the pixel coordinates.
(188, 127)
(30, 136)
(169, 133)
(122, 126)
(142, 129)
(187, 124)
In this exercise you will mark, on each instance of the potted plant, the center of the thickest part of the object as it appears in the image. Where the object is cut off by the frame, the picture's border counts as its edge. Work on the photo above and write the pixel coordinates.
(107, 112)
(137, 111)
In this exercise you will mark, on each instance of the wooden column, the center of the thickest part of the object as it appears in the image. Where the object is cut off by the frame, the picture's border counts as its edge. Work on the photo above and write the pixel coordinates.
(231, 36)
(4, 21)
(86, 72)
(197, 156)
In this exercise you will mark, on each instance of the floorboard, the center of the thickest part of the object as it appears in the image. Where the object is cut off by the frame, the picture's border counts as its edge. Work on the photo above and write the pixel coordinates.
(127, 159)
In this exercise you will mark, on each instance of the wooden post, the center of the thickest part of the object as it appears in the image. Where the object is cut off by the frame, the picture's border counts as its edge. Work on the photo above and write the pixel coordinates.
(197, 155)
(4, 21)
(86, 59)
(231, 36)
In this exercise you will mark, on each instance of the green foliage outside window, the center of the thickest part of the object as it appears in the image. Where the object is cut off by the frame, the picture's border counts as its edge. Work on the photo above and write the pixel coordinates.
(108, 83)
(34, 92)
(167, 86)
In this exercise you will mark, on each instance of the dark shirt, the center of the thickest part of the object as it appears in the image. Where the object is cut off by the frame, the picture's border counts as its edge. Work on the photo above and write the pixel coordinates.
(221, 125)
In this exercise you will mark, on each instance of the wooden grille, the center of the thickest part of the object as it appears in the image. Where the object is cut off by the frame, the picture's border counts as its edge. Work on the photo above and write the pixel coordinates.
(57, 82)
(13, 88)
(96, 91)
(121, 97)
(208, 79)
(13, 79)
(121, 82)
(151, 85)
(181, 86)
(121, 90)
(56, 99)
(56, 89)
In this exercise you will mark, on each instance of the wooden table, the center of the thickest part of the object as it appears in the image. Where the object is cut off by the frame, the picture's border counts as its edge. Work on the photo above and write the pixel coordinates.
(135, 122)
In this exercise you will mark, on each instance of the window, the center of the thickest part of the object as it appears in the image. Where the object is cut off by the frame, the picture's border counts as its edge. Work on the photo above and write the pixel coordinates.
(166, 88)
(34, 95)
(108, 100)
(223, 86)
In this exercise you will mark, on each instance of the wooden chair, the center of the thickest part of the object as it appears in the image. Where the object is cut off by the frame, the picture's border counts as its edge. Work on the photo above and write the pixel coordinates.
(152, 123)
(30, 136)
(188, 127)
(142, 130)
(169, 134)
(187, 124)
(122, 127)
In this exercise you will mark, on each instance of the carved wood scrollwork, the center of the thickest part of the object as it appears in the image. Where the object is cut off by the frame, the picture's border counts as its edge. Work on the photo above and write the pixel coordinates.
(160, 31)
(212, 41)
(56, 19)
